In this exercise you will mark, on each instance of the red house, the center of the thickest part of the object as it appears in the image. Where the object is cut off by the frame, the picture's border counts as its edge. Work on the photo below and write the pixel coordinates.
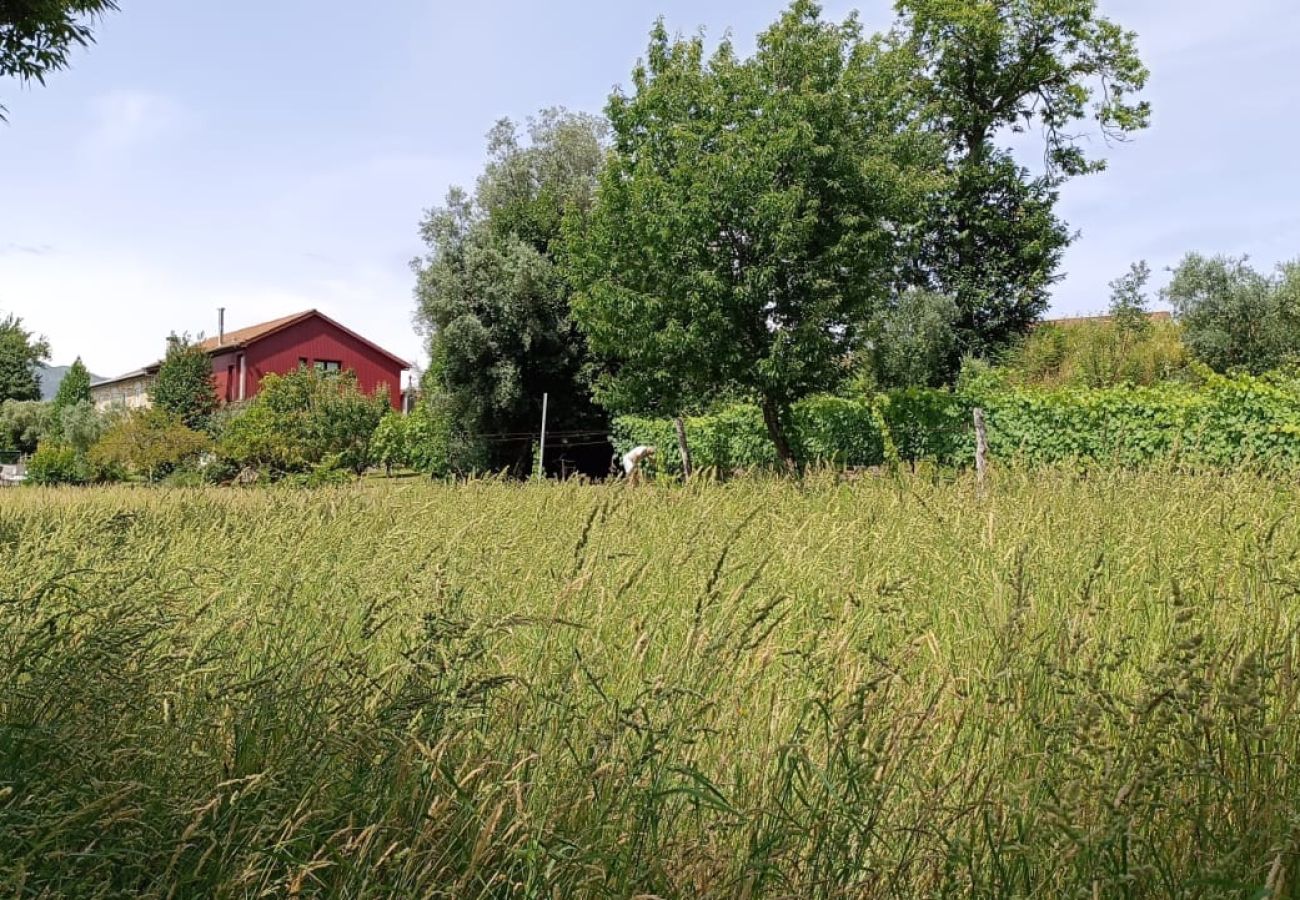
(240, 359)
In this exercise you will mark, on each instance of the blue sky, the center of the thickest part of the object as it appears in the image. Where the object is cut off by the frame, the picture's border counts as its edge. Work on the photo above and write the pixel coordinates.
(274, 156)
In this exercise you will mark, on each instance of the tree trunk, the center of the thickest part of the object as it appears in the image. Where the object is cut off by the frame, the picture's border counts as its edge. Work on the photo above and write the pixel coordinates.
(683, 447)
(775, 422)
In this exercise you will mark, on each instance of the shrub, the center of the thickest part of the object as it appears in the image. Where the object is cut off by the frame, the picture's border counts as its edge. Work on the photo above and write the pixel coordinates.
(54, 464)
(299, 420)
(150, 443)
(1093, 354)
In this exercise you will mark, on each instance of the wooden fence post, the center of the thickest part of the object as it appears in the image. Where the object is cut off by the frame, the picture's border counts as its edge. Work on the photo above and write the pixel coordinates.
(981, 449)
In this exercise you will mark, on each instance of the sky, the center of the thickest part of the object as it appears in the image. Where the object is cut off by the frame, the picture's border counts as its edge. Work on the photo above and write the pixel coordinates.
(270, 157)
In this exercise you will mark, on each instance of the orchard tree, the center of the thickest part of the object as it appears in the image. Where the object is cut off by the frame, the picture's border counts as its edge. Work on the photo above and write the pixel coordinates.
(494, 304)
(75, 386)
(742, 232)
(21, 355)
(184, 386)
(989, 69)
(37, 36)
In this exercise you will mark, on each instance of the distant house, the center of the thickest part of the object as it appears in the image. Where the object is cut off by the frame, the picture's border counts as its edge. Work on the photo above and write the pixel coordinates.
(242, 358)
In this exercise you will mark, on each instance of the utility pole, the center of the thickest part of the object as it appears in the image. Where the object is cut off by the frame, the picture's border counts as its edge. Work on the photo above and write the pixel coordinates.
(541, 451)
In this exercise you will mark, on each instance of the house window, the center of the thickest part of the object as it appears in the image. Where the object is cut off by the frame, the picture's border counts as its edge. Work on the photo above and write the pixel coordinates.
(302, 362)
(328, 365)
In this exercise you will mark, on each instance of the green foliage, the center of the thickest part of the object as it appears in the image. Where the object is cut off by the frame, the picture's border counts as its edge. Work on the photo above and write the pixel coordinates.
(79, 425)
(390, 445)
(75, 386)
(494, 303)
(824, 431)
(56, 464)
(21, 353)
(1129, 305)
(149, 443)
(1222, 423)
(990, 238)
(914, 342)
(37, 35)
(1008, 65)
(24, 423)
(1228, 422)
(739, 242)
(1235, 318)
(301, 420)
(1098, 354)
(184, 386)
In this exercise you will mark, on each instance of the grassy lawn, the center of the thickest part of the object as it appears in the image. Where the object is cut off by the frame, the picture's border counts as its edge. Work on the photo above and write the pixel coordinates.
(1075, 687)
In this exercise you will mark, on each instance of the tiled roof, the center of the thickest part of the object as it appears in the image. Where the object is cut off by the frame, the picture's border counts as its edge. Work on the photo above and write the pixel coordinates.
(242, 336)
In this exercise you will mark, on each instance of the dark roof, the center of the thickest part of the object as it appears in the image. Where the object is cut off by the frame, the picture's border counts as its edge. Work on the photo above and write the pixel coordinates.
(129, 376)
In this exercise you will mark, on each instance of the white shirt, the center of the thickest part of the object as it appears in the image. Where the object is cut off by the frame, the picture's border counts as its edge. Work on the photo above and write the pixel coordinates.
(634, 456)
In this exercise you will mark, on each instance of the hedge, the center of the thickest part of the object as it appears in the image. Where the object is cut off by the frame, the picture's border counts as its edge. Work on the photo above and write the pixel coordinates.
(1221, 422)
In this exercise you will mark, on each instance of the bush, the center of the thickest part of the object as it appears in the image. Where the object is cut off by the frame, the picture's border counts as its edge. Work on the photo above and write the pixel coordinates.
(1099, 354)
(298, 421)
(54, 464)
(148, 442)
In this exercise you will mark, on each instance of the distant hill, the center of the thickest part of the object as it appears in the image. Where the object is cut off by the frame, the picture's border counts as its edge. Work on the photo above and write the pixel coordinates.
(52, 377)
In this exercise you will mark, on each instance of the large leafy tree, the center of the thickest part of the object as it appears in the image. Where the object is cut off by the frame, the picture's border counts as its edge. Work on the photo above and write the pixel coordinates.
(184, 386)
(21, 354)
(1235, 317)
(37, 36)
(493, 303)
(743, 231)
(987, 70)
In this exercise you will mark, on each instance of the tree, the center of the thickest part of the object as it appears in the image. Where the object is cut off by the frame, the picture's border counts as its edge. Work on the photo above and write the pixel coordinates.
(21, 354)
(742, 233)
(1129, 306)
(1235, 317)
(36, 36)
(148, 442)
(184, 386)
(493, 303)
(305, 419)
(75, 386)
(991, 238)
(914, 342)
(80, 425)
(24, 424)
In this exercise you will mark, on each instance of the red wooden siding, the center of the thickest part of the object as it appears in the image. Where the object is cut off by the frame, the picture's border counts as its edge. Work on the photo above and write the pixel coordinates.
(311, 339)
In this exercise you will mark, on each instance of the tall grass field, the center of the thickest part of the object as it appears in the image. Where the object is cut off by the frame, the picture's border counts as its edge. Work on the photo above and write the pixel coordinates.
(1064, 686)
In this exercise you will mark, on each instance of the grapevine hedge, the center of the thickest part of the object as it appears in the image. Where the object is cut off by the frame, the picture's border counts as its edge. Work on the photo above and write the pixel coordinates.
(1220, 422)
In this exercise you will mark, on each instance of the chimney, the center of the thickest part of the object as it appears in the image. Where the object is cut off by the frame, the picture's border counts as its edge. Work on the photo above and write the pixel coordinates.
(221, 325)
